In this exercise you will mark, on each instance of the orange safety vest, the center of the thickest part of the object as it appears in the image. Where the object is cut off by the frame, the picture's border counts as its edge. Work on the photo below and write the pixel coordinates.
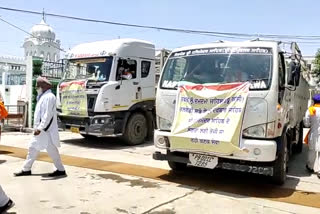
(3, 111)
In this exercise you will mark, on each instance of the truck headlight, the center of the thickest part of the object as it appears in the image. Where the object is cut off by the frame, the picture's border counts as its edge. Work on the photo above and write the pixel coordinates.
(162, 142)
(255, 131)
(102, 120)
(261, 131)
(164, 124)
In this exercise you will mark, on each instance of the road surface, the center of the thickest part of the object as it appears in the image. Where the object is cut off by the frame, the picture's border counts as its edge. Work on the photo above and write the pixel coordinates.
(105, 176)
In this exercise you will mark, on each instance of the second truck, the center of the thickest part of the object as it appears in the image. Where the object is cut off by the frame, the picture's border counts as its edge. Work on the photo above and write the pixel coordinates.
(109, 90)
(271, 128)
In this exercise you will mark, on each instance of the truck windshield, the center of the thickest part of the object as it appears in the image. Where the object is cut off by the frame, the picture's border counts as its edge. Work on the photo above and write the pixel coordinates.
(219, 65)
(97, 69)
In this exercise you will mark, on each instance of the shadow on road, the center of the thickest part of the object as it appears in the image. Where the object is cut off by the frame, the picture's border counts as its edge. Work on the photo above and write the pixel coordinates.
(45, 177)
(244, 184)
(297, 164)
(241, 184)
(107, 143)
(5, 152)
(227, 182)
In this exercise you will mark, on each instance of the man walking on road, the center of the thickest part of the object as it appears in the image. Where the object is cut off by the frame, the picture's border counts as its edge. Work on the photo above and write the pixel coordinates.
(312, 119)
(46, 135)
(5, 202)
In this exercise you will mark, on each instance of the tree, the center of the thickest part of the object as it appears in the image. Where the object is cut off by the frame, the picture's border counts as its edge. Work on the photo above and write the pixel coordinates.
(316, 62)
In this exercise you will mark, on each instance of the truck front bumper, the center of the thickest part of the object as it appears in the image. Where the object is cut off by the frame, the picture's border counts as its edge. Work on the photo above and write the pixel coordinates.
(262, 168)
(100, 126)
(258, 150)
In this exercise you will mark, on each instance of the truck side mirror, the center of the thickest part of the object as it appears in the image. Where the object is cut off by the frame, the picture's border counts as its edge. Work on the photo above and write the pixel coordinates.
(294, 74)
(297, 74)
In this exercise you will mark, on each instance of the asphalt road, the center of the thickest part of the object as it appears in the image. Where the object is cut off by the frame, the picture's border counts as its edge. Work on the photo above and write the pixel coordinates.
(132, 169)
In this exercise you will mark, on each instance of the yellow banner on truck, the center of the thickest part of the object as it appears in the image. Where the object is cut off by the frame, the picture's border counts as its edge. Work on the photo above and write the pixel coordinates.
(74, 98)
(208, 118)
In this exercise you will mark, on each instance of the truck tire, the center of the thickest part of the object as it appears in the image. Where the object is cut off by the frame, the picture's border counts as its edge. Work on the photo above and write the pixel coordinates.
(176, 166)
(297, 148)
(136, 129)
(151, 125)
(280, 164)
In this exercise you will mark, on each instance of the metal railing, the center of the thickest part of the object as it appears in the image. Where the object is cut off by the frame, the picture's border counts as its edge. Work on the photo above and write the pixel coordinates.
(17, 116)
(53, 70)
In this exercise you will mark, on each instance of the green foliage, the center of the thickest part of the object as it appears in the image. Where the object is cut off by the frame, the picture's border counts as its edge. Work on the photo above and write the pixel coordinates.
(54, 86)
(316, 69)
(36, 71)
(34, 96)
(37, 66)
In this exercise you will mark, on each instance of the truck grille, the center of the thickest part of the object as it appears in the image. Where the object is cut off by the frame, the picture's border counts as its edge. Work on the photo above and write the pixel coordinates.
(79, 121)
(91, 99)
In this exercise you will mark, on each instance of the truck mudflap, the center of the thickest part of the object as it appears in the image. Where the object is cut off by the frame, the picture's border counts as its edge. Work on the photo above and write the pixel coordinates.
(261, 168)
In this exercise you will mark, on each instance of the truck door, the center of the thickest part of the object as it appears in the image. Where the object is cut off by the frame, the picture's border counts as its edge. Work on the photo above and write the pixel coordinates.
(147, 73)
(128, 83)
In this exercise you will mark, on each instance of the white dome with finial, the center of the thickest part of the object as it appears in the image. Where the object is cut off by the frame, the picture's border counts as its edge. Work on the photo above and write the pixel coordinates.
(43, 31)
(42, 42)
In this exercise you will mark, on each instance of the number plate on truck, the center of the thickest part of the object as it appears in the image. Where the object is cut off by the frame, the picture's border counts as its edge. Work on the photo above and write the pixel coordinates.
(204, 161)
(75, 130)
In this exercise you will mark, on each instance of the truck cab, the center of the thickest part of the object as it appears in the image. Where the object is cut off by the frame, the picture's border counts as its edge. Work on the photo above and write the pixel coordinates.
(108, 90)
(272, 121)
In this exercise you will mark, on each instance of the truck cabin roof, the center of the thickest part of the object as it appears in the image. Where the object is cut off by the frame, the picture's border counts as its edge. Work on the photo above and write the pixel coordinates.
(228, 44)
(117, 47)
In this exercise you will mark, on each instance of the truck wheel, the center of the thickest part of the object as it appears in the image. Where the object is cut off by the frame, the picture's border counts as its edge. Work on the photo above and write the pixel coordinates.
(176, 166)
(280, 164)
(297, 148)
(136, 129)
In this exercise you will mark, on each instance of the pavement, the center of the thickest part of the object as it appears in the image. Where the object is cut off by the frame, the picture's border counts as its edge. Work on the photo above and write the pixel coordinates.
(106, 176)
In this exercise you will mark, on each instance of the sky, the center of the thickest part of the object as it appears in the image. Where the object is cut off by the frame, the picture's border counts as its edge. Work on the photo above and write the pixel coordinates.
(241, 16)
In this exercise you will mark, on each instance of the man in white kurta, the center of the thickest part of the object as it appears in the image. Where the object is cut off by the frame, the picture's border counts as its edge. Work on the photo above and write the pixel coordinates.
(46, 135)
(312, 119)
(5, 202)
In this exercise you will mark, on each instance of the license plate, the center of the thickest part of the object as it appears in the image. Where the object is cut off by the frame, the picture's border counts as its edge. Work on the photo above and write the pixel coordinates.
(75, 130)
(204, 161)
(262, 170)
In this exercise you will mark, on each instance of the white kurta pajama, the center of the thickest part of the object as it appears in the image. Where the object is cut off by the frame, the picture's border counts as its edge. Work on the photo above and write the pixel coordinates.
(3, 197)
(49, 140)
(312, 118)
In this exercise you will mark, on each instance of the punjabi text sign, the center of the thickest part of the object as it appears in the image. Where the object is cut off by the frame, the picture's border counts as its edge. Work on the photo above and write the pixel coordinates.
(208, 118)
(74, 98)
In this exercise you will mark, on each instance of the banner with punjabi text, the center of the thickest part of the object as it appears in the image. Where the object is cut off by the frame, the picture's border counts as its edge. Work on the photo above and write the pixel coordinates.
(74, 98)
(208, 118)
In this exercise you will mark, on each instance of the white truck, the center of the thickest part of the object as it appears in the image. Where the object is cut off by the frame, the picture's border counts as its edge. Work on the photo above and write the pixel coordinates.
(118, 79)
(277, 100)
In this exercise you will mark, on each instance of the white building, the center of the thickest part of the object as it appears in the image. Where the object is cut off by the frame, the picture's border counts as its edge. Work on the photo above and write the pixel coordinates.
(13, 70)
(309, 61)
(12, 77)
(15, 66)
(42, 43)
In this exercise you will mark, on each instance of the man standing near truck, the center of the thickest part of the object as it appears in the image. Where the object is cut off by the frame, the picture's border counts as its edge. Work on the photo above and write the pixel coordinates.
(5, 202)
(312, 118)
(46, 135)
